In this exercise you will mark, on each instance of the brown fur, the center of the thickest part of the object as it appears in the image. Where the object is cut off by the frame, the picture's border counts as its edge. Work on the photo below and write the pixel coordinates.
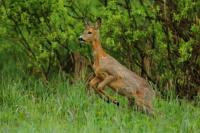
(109, 72)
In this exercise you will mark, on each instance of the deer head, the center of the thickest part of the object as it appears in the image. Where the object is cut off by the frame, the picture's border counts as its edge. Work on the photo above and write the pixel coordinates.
(91, 32)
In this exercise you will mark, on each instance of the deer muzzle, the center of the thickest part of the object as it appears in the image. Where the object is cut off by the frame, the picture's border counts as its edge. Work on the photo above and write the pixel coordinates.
(81, 39)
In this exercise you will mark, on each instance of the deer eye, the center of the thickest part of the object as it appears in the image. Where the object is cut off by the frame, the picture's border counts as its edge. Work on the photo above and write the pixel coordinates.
(89, 32)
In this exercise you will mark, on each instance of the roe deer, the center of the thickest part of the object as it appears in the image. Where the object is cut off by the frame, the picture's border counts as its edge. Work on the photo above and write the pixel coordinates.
(109, 72)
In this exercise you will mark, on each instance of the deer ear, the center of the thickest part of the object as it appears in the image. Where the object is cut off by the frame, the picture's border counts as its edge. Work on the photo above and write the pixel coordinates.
(98, 23)
(87, 23)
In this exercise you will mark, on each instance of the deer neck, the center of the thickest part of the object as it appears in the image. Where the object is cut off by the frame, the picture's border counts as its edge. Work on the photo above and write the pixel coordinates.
(98, 51)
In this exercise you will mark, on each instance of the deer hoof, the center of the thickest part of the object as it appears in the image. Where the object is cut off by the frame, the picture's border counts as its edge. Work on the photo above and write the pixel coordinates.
(117, 103)
(108, 101)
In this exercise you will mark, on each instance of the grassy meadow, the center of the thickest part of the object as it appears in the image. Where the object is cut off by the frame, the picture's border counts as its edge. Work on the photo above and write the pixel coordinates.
(27, 105)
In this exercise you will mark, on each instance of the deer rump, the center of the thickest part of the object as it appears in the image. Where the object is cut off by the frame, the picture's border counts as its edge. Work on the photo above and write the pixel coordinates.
(127, 83)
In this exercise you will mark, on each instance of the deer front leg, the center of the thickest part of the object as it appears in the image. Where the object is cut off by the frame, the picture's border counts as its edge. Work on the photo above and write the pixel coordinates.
(109, 98)
(107, 80)
(93, 83)
(101, 86)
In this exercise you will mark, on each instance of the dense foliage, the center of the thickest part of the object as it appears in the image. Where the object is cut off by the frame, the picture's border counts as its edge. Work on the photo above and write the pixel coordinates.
(158, 39)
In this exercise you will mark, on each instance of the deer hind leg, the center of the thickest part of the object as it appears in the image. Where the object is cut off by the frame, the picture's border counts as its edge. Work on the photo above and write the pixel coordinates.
(142, 103)
(131, 102)
(145, 107)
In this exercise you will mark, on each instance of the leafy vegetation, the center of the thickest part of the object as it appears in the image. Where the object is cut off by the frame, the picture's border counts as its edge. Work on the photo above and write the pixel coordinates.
(157, 39)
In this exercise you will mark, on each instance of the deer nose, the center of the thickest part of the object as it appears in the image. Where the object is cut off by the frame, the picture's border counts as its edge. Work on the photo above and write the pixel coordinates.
(81, 39)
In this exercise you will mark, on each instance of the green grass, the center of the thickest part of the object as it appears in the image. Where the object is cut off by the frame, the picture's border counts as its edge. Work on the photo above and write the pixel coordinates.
(27, 105)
